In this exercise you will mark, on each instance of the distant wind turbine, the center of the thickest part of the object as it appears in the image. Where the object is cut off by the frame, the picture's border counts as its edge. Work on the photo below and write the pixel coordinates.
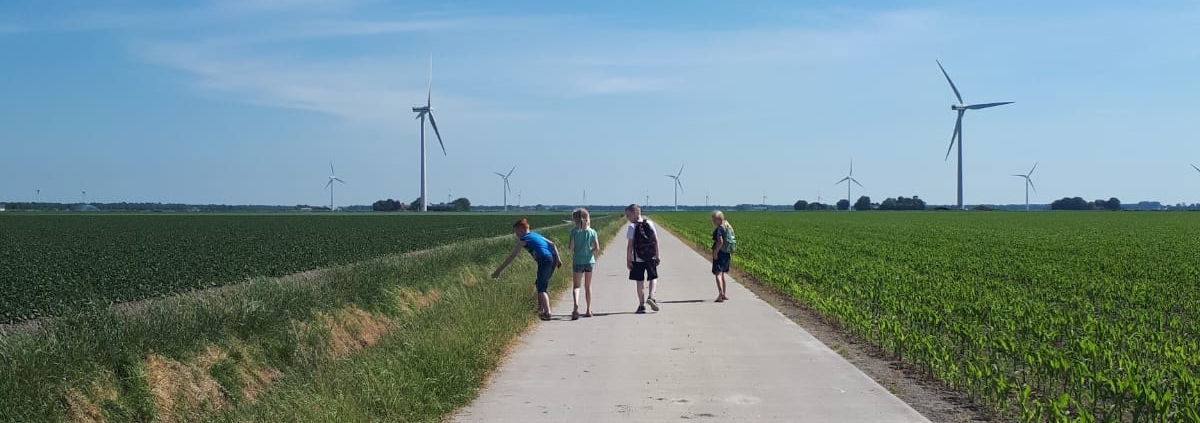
(848, 179)
(506, 187)
(332, 177)
(678, 186)
(961, 109)
(422, 112)
(1028, 184)
(83, 195)
(518, 198)
(585, 197)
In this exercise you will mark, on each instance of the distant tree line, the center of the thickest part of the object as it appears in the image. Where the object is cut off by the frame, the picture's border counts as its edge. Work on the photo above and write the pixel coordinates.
(864, 203)
(462, 204)
(1078, 203)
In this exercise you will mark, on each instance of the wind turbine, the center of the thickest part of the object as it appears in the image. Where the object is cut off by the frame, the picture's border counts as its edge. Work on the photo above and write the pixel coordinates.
(422, 112)
(678, 186)
(961, 109)
(506, 188)
(83, 195)
(1028, 184)
(518, 199)
(584, 198)
(332, 177)
(848, 179)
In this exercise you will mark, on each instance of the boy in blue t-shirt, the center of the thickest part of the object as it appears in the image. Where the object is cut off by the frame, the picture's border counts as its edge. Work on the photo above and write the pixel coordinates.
(545, 252)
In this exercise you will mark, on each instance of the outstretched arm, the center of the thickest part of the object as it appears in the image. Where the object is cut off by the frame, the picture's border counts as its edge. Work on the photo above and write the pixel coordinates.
(516, 250)
(557, 258)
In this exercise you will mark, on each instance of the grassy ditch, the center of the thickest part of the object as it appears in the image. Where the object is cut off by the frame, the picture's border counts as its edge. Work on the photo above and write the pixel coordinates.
(403, 338)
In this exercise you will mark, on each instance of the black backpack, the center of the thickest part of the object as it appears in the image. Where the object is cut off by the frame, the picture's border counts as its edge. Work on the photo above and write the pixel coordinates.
(645, 242)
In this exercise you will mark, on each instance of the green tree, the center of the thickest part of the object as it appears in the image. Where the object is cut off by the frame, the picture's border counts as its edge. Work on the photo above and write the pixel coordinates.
(462, 204)
(863, 203)
(843, 204)
(800, 205)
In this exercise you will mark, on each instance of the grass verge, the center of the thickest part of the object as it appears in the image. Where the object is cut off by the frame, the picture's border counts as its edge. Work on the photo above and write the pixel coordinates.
(396, 339)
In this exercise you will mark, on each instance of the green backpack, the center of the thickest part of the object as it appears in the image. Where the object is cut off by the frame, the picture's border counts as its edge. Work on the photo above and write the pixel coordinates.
(730, 244)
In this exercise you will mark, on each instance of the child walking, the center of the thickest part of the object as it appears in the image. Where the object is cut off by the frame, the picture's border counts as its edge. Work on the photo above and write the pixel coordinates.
(545, 252)
(724, 243)
(583, 245)
(641, 256)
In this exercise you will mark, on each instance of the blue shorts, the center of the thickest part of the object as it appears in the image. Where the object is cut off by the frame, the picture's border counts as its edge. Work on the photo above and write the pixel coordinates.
(721, 264)
(544, 272)
(583, 268)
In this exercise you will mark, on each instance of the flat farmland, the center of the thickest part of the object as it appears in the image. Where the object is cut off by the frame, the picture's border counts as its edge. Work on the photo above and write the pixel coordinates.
(1088, 316)
(55, 263)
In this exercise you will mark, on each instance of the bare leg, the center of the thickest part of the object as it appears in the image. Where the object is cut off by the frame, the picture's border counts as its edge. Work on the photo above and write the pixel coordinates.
(641, 289)
(544, 303)
(587, 289)
(720, 290)
(575, 292)
(723, 286)
(650, 290)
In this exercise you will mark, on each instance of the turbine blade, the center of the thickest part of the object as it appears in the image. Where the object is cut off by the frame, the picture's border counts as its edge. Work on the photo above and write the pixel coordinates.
(680, 171)
(327, 184)
(1197, 168)
(956, 95)
(842, 180)
(957, 131)
(670, 176)
(1031, 185)
(429, 93)
(510, 171)
(499, 174)
(851, 166)
(339, 180)
(331, 172)
(439, 134)
(1021, 176)
(856, 183)
(506, 187)
(986, 105)
(680, 183)
(1032, 169)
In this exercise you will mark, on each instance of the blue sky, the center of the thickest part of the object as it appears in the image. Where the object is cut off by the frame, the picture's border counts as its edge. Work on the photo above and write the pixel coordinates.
(248, 101)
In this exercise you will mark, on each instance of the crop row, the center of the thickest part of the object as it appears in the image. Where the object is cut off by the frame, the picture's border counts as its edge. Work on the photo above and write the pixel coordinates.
(54, 263)
(1061, 317)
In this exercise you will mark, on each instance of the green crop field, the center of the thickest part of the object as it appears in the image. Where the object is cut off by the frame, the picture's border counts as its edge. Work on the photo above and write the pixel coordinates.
(54, 263)
(1044, 316)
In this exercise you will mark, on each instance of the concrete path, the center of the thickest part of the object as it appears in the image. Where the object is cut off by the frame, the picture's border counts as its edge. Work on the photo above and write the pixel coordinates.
(738, 361)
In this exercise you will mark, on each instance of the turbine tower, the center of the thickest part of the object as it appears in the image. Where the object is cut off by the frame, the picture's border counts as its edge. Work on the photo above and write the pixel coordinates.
(422, 112)
(961, 109)
(848, 179)
(506, 188)
(1028, 184)
(332, 177)
(678, 186)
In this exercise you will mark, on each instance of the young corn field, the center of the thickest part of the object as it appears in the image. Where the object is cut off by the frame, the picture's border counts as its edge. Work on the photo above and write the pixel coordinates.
(1057, 317)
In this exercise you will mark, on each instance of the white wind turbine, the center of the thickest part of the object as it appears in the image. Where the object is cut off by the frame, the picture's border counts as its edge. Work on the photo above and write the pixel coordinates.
(961, 109)
(1028, 184)
(678, 186)
(332, 177)
(848, 179)
(422, 112)
(506, 188)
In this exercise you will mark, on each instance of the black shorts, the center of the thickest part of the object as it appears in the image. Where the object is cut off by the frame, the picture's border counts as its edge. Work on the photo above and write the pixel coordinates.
(642, 271)
(721, 264)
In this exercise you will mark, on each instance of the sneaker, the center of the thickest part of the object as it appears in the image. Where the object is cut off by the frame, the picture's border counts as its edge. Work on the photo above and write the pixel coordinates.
(653, 304)
(641, 310)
